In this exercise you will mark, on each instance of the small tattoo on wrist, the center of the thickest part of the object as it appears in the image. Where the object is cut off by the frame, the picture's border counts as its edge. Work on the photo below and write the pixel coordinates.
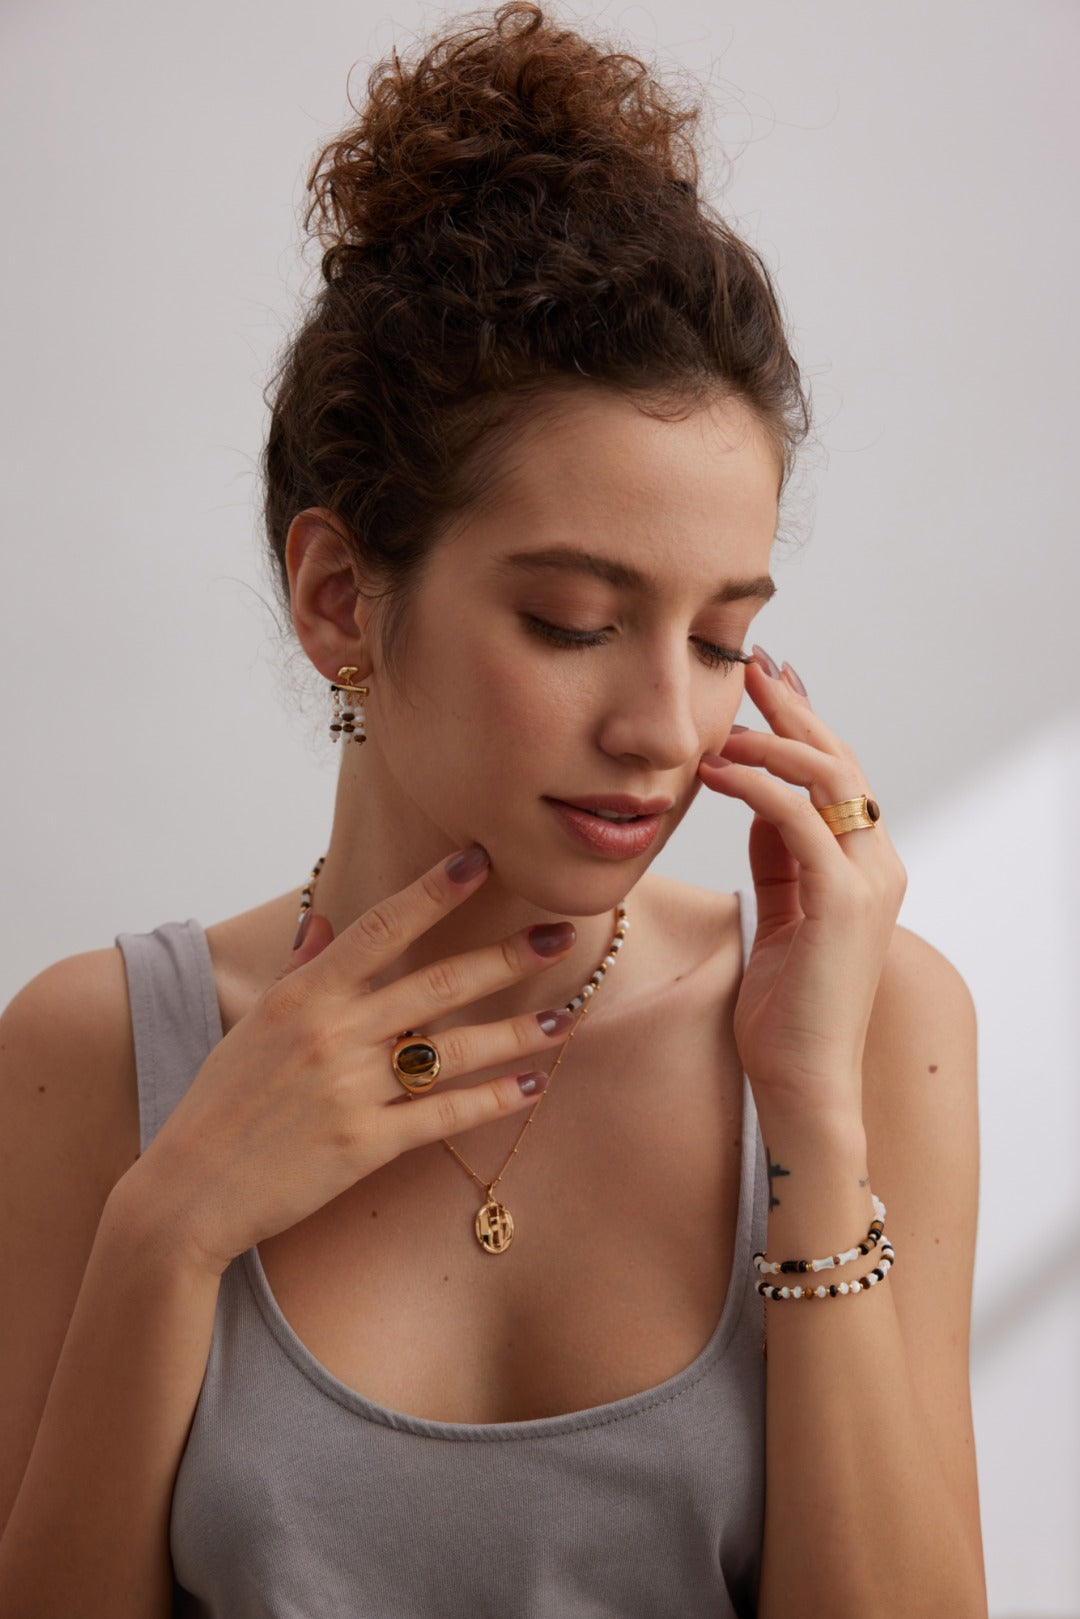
(774, 1171)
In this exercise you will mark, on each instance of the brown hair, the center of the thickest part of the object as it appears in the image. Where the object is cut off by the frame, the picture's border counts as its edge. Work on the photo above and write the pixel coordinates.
(512, 215)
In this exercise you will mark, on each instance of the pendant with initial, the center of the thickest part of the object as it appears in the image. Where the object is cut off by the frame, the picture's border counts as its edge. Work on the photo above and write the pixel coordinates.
(494, 1227)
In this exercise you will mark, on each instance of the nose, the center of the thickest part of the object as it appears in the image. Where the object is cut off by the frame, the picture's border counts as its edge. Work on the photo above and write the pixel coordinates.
(650, 710)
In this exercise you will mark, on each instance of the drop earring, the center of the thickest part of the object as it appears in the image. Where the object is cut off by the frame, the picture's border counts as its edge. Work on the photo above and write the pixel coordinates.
(347, 718)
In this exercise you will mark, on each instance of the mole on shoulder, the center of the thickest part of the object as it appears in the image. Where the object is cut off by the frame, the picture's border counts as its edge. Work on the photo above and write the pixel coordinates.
(933, 1067)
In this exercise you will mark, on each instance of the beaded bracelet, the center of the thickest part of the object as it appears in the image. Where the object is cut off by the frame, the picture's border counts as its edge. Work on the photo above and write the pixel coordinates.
(836, 1289)
(876, 1232)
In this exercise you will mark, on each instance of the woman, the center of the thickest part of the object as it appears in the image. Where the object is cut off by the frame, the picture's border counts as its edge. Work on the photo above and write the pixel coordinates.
(331, 1314)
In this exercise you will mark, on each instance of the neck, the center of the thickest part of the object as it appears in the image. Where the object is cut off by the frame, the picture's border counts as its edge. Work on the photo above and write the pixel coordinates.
(380, 843)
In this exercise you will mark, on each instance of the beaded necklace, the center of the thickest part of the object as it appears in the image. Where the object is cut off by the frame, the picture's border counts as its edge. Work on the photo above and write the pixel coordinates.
(493, 1225)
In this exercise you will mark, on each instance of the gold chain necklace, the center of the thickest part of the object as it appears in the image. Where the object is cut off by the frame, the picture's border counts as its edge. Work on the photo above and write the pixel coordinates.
(494, 1225)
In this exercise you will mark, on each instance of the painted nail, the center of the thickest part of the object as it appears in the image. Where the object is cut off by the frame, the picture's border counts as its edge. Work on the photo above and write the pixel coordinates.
(548, 938)
(532, 1082)
(794, 680)
(557, 1021)
(470, 863)
(763, 661)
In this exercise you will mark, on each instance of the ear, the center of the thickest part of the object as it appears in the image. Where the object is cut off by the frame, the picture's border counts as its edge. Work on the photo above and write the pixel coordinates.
(329, 613)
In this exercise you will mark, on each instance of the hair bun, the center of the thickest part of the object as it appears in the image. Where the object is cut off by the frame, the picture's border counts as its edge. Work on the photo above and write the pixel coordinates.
(499, 119)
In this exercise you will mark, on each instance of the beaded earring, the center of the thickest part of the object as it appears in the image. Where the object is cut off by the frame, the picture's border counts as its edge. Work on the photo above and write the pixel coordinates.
(347, 718)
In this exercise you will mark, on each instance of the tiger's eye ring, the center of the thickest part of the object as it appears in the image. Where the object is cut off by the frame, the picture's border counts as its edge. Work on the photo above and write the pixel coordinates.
(850, 815)
(415, 1061)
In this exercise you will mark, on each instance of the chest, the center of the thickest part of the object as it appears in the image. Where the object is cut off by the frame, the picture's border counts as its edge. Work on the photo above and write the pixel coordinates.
(624, 1197)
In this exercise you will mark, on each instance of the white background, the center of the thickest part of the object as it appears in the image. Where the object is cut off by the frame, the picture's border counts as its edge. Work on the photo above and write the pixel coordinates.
(909, 175)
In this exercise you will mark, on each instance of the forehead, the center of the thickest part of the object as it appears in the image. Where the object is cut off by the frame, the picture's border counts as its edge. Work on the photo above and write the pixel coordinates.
(671, 499)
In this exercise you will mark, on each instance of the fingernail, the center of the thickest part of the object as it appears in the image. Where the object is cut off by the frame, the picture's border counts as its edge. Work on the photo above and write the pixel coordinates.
(737, 730)
(470, 863)
(302, 929)
(556, 1021)
(533, 1082)
(714, 759)
(548, 938)
(763, 661)
(795, 681)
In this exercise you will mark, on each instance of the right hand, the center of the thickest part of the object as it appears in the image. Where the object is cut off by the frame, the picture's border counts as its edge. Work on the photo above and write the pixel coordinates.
(299, 1101)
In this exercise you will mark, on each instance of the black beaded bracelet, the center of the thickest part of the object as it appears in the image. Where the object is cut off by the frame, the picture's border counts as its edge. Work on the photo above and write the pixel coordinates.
(876, 1232)
(861, 1284)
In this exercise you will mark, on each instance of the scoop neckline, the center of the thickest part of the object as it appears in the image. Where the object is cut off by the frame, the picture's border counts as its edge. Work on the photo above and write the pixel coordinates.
(739, 1291)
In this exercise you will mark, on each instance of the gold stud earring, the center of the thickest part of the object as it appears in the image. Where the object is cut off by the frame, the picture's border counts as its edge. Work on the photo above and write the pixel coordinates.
(347, 718)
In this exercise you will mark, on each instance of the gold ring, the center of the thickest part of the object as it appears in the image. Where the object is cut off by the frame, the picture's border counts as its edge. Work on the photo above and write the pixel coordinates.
(415, 1061)
(850, 815)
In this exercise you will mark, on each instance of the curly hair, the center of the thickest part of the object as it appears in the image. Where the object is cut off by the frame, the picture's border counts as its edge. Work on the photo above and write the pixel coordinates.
(511, 215)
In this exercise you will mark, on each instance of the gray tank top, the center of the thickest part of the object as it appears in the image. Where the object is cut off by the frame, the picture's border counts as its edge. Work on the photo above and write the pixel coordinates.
(298, 1498)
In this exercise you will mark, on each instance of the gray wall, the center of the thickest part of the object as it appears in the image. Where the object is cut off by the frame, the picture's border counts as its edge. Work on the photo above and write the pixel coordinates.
(908, 173)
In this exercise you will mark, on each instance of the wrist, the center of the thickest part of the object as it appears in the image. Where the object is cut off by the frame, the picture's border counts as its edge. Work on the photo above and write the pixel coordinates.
(819, 1190)
(827, 1128)
(140, 1217)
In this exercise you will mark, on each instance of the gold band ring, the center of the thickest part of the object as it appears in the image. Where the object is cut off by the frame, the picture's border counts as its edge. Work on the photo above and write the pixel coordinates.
(850, 815)
(415, 1061)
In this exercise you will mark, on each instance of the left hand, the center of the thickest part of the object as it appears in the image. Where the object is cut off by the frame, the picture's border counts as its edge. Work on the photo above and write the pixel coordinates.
(827, 907)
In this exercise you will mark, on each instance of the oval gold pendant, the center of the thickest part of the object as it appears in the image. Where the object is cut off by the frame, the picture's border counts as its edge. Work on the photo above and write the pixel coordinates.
(494, 1227)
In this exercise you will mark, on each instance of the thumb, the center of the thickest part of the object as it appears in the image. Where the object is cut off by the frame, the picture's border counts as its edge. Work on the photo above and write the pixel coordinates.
(314, 934)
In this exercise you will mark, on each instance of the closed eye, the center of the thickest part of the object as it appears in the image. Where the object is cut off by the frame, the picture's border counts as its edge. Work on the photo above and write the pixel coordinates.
(716, 657)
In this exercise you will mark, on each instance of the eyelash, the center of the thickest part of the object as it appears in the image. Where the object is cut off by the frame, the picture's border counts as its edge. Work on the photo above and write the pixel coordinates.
(715, 656)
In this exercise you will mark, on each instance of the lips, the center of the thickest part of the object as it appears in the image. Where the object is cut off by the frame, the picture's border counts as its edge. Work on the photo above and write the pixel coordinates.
(618, 804)
(614, 840)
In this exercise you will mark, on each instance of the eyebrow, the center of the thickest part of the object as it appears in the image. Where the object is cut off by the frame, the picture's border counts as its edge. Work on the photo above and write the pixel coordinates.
(567, 559)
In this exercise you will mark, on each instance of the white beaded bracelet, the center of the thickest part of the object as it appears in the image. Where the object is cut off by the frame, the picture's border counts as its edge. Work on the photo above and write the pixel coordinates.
(861, 1284)
(876, 1234)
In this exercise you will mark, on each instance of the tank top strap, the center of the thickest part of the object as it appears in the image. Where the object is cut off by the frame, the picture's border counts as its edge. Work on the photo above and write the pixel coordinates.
(747, 920)
(755, 1169)
(174, 1014)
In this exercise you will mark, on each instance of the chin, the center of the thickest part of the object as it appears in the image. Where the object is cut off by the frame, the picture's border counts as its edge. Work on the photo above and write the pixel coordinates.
(563, 888)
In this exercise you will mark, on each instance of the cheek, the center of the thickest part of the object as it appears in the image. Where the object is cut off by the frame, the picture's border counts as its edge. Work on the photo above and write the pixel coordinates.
(523, 700)
(731, 689)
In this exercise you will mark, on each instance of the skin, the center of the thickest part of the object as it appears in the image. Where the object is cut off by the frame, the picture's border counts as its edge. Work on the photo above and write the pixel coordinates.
(857, 1038)
(840, 1017)
(693, 503)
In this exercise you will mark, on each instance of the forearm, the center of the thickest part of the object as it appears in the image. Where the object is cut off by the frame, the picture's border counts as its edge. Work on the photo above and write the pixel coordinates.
(859, 1521)
(88, 1532)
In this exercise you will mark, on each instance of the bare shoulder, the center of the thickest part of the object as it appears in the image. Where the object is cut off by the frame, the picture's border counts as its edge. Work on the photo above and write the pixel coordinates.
(69, 1128)
(922, 1034)
(920, 1088)
(921, 1101)
(67, 1071)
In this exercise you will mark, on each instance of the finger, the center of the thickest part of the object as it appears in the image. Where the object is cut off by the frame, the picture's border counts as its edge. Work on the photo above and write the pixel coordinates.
(511, 1043)
(775, 872)
(788, 712)
(827, 862)
(380, 934)
(457, 981)
(452, 1112)
(805, 835)
(315, 933)
(830, 779)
